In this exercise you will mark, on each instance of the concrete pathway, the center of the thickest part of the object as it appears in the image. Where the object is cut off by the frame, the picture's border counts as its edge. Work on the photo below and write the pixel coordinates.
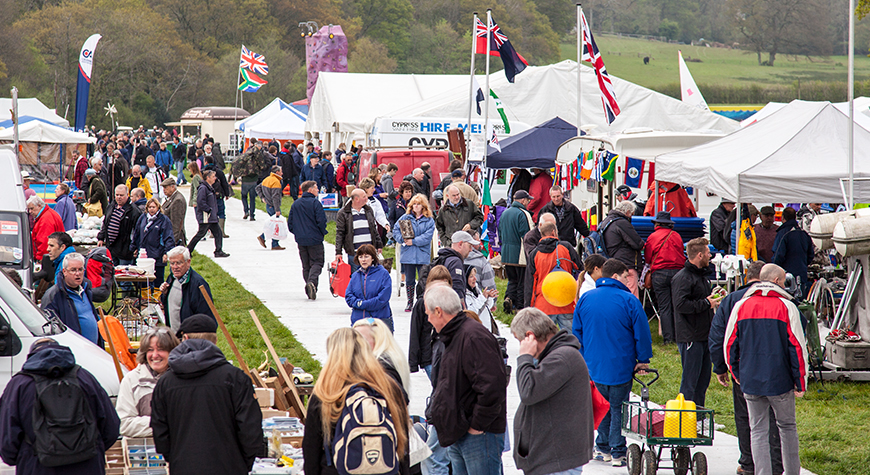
(275, 277)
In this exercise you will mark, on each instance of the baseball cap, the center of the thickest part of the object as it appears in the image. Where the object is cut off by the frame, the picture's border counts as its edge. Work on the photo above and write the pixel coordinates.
(456, 173)
(522, 195)
(462, 236)
(767, 210)
(199, 323)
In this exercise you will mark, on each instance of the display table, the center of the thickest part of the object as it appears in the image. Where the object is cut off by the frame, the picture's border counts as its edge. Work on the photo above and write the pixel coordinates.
(138, 282)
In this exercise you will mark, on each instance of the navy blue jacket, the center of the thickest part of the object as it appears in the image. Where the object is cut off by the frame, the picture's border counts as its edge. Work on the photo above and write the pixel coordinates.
(57, 299)
(307, 220)
(316, 173)
(16, 411)
(329, 172)
(192, 301)
(613, 331)
(157, 241)
(206, 202)
(368, 293)
(793, 250)
(717, 328)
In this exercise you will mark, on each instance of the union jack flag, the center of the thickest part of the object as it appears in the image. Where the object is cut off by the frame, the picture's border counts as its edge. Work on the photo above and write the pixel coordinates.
(591, 54)
(253, 62)
(499, 46)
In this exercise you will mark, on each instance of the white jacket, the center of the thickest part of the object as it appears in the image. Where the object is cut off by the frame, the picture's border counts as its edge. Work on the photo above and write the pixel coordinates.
(480, 305)
(134, 395)
(587, 285)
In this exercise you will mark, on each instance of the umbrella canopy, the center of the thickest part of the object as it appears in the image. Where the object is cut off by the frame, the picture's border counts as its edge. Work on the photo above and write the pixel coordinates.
(534, 148)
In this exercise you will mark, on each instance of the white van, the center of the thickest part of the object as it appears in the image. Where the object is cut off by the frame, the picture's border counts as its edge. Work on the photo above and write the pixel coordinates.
(15, 247)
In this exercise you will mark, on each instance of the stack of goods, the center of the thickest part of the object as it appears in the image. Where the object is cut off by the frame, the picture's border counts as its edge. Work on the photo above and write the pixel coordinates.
(142, 457)
(88, 229)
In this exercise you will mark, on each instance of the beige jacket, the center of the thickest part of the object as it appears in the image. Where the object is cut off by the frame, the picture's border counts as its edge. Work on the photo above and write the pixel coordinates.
(134, 402)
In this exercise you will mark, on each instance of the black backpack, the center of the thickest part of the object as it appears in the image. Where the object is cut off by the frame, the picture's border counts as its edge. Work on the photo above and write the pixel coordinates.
(64, 425)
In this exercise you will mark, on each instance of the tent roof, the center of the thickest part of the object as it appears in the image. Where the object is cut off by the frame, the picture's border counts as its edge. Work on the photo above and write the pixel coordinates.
(38, 131)
(642, 144)
(268, 113)
(796, 154)
(23, 120)
(543, 92)
(282, 124)
(534, 148)
(31, 107)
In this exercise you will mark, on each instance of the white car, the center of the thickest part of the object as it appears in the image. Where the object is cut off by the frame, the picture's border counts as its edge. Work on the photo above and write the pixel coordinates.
(301, 377)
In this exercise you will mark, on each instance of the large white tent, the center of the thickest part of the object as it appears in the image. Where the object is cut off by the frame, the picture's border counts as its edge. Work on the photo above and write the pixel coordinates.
(45, 148)
(277, 120)
(31, 107)
(797, 154)
(37, 131)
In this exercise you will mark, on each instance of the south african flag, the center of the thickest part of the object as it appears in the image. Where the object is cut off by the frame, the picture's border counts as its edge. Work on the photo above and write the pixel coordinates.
(250, 82)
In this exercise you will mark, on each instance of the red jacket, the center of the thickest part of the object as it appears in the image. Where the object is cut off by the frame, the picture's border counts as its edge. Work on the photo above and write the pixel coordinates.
(673, 199)
(541, 262)
(46, 223)
(664, 250)
(341, 178)
(81, 167)
(540, 191)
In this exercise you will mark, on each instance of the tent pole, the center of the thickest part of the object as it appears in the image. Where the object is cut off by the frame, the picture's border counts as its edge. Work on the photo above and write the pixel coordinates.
(471, 91)
(579, 58)
(656, 197)
(851, 85)
(486, 126)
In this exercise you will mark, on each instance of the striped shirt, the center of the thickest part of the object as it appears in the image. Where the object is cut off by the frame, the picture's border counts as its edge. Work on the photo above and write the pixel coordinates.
(115, 223)
(361, 233)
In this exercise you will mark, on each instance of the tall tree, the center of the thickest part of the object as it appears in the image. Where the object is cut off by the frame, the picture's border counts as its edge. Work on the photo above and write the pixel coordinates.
(388, 22)
(369, 56)
(438, 50)
(787, 26)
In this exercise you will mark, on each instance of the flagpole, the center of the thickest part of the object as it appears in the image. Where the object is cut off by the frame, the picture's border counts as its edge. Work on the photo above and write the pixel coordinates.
(238, 93)
(486, 98)
(579, 58)
(471, 92)
(851, 81)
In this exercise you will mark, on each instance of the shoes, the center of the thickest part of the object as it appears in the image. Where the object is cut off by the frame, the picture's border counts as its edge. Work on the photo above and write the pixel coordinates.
(245, 216)
(600, 456)
(410, 306)
(311, 291)
(744, 471)
(221, 254)
(618, 461)
(262, 241)
(278, 248)
(252, 218)
(509, 308)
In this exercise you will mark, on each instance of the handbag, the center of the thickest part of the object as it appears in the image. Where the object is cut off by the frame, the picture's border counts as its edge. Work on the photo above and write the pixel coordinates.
(600, 406)
(94, 209)
(418, 450)
(647, 271)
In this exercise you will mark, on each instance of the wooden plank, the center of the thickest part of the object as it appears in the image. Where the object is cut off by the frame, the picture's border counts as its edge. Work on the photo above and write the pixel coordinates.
(295, 401)
(280, 399)
(226, 332)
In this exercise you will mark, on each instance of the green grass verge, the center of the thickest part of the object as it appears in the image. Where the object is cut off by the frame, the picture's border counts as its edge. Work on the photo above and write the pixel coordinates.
(833, 418)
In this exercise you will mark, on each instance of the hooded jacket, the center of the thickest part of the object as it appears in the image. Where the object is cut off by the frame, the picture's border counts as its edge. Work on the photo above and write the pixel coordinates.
(664, 250)
(368, 293)
(718, 225)
(420, 251)
(46, 223)
(485, 272)
(692, 311)
(206, 202)
(622, 240)
(134, 401)
(204, 415)
(471, 387)
(549, 252)
(66, 209)
(765, 346)
(16, 410)
(512, 227)
(157, 241)
(553, 424)
(793, 250)
(452, 260)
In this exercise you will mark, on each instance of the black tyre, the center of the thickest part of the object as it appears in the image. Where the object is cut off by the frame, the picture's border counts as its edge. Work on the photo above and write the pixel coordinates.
(699, 464)
(296, 381)
(682, 458)
(649, 463)
(632, 459)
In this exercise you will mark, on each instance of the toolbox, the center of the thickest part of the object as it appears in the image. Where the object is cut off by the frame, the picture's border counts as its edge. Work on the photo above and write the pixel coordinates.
(848, 354)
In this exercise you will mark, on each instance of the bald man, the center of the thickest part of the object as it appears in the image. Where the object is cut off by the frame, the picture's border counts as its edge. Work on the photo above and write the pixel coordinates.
(355, 225)
(531, 239)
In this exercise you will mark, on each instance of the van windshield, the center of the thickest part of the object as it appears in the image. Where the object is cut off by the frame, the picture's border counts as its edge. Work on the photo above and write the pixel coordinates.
(31, 316)
(11, 242)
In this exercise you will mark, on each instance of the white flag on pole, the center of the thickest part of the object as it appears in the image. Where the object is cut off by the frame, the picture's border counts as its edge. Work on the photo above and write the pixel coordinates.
(690, 93)
(492, 137)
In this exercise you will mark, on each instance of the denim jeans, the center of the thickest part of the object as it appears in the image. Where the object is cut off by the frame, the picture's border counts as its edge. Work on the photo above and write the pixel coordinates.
(477, 454)
(221, 208)
(275, 243)
(249, 198)
(697, 369)
(437, 463)
(353, 265)
(179, 169)
(565, 321)
(610, 439)
(784, 408)
(411, 271)
(428, 370)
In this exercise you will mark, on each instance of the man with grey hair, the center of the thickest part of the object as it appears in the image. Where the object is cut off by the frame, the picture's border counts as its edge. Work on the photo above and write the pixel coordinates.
(553, 425)
(766, 353)
(469, 400)
(622, 241)
(45, 222)
(117, 229)
(175, 207)
(180, 294)
(457, 214)
(71, 299)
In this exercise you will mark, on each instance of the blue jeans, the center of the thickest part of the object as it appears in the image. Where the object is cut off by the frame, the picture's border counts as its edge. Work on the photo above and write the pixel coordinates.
(565, 321)
(271, 211)
(573, 471)
(249, 196)
(428, 370)
(477, 454)
(294, 187)
(222, 208)
(437, 463)
(610, 439)
(411, 271)
(350, 260)
(389, 322)
(179, 169)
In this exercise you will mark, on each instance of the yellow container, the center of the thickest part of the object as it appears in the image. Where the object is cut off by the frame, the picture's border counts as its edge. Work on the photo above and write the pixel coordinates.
(684, 419)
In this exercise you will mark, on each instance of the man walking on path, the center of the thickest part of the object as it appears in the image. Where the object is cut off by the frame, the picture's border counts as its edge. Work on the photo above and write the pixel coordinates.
(354, 226)
(766, 353)
(307, 222)
(549, 254)
(569, 220)
(175, 207)
(271, 192)
(457, 214)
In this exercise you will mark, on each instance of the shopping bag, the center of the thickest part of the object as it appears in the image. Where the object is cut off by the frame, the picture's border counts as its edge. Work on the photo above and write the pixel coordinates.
(276, 228)
(94, 209)
(339, 277)
(418, 451)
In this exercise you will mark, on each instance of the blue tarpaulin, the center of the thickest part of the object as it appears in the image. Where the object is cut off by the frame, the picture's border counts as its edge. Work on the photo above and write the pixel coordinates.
(534, 148)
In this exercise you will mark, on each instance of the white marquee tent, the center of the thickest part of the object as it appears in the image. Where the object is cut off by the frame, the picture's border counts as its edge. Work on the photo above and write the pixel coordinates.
(32, 107)
(277, 120)
(797, 154)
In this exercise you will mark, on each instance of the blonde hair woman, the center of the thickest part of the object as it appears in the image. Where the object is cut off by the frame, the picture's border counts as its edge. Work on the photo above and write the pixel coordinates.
(349, 362)
(386, 349)
(416, 252)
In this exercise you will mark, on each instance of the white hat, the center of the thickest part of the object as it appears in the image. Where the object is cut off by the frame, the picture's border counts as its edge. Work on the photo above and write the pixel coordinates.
(25, 174)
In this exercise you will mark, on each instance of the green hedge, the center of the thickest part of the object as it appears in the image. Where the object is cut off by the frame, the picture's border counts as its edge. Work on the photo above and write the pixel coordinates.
(834, 91)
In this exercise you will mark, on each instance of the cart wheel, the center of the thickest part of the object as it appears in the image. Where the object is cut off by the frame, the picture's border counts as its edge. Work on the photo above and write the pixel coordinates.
(682, 458)
(699, 464)
(650, 464)
(632, 459)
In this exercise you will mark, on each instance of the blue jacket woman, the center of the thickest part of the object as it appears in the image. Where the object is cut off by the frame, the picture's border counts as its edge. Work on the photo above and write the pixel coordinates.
(153, 231)
(368, 292)
(421, 250)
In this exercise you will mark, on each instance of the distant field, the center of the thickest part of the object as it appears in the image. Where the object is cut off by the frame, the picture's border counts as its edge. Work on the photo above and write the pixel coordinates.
(624, 59)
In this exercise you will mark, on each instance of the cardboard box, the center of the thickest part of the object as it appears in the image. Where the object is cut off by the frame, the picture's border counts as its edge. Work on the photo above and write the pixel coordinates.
(265, 396)
(269, 412)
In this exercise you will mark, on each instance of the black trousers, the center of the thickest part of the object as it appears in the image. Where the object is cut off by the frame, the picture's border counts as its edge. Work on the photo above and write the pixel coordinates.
(697, 370)
(312, 262)
(661, 282)
(741, 421)
(516, 285)
(200, 233)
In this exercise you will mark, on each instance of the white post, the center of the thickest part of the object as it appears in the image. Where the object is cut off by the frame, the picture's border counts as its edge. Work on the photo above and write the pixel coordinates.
(851, 86)
(579, 59)
(486, 98)
(471, 91)
(15, 120)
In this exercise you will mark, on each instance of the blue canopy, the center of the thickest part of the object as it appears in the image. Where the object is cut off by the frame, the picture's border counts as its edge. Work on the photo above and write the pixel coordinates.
(25, 119)
(534, 148)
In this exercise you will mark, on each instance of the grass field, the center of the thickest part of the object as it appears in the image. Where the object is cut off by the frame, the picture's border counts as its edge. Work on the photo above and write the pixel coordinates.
(624, 59)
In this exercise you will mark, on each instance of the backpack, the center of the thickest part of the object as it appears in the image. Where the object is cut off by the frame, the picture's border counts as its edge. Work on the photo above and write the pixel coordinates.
(100, 271)
(365, 436)
(594, 244)
(64, 425)
(247, 164)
